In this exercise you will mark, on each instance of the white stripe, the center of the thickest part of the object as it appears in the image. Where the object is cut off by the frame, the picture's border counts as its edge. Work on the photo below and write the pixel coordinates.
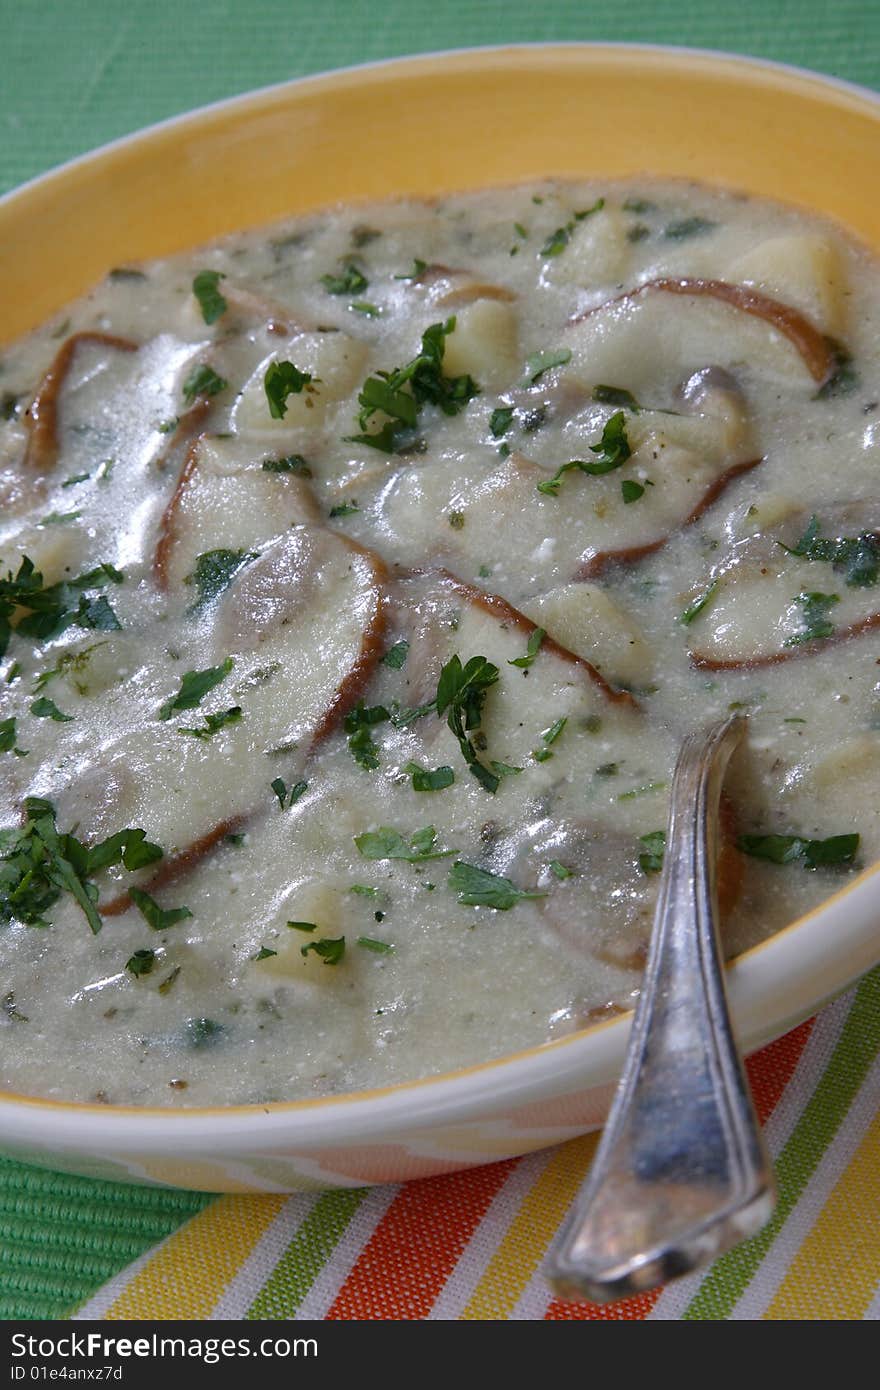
(490, 1232)
(807, 1074)
(337, 1269)
(806, 1211)
(259, 1265)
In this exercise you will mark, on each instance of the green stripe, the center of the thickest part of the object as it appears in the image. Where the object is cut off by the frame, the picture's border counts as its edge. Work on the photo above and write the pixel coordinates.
(62, 1237)
(306, 1255)
(856, 1049)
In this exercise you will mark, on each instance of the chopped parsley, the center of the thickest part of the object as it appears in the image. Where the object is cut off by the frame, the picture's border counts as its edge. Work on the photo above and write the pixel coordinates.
(613, 450)
(418, 269)
(357, 724)
(388, 843)
(816, 854)
(370, 311)
(351, 281)
(559, 870)
(533, 646)
(817, 624)
(343, 509)
(331, 950)
(59, 518)
(194, 687)
(651, 858)
(44, 708)
(479, 888)
(206, 288)
(857, 558)
(616, 395)
(425, 384)
(844, 379)
(159, 918)
(283, 379)
(549, 736)
(381, 948)
(642, 791)
(202, 381)
(214, 723)
(203, 1032)
(76, 478)
(396, 655)
(264, 953)
(214, 572)
(364, 890)
(291, 463)
(286, 798)
(461, 694)
(51, 610)
(700, 603)
(631, 491)
(558, 240)
(544, 361)
(38, 864)
(8, 738)
(500, 421)
(141, 963)
(424, 780)
(456, 520)
(688, 227)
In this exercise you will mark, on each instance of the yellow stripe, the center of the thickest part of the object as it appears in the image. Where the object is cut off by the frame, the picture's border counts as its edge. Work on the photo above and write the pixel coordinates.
(190, 1270)
(522, 1249)
(836, 1271)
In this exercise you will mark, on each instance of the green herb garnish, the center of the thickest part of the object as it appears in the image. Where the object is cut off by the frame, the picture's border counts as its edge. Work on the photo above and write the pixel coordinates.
(159, 918)
(631, 491)
(461, 694)
(343, 509)
(47, 709)
(287, 799)
(424, 780)
(214, 572)
(141, 963)
(214, 723)
(817, 624)
(283, 379)
(616, 395)
(613, 450)
(419, 268)
(203, 1032)
(688, 227)
(857, 558)
(357, 724)
(331, 950)
(544, 361)
(351, 281)
(533, 646)
(558, 870)
(479, 888)
(194, 687)
(701, 602)
(816, 854)
(388, 843)
(558, 240)
(651, 859)
(500, 421)
(202, 381)
(381, 948)
(206, 288)
(396, 655)
(264, 953)
(548, 737)
(291, 463)
(426, 384)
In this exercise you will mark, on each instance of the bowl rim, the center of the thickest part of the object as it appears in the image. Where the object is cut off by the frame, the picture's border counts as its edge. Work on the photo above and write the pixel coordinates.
(753, 976)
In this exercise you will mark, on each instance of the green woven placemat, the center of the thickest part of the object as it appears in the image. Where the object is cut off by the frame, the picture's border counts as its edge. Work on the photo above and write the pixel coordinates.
(76, 73)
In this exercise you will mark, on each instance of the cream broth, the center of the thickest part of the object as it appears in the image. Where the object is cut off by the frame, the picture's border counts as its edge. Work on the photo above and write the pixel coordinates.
(377, 564)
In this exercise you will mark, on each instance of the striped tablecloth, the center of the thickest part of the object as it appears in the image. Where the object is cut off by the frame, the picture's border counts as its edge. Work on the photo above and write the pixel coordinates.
(467, 1245)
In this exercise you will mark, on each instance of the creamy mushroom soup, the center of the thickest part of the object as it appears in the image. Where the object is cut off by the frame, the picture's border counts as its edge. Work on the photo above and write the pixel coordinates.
(360, 578)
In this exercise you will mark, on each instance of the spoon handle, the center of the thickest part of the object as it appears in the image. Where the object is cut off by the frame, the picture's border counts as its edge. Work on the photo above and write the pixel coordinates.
(681, 1172)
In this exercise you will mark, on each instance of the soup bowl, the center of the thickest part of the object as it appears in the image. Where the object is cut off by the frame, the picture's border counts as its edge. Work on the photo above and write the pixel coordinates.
(439, 123)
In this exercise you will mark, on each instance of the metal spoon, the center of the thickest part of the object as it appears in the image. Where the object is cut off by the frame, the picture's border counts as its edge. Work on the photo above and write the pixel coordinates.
(681, 1173)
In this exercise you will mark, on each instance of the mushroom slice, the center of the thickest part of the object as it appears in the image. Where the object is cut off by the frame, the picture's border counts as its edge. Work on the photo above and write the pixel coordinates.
(794, 348)
(292, 643)
(790, 591)
(585, 619)
(218, 507)
(43, 412)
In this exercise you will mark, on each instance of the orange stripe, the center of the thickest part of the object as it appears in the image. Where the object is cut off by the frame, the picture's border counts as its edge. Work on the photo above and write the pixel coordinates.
(417, 1244)
(769, 1071)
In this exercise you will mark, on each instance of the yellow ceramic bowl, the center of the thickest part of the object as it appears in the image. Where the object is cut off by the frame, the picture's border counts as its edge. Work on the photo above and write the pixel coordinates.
(423, 126)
